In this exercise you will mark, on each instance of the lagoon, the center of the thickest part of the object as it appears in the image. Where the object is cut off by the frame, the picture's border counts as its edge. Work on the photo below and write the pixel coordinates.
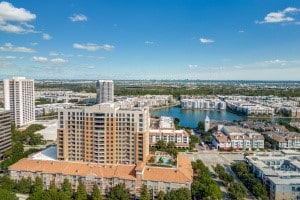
(191, 118)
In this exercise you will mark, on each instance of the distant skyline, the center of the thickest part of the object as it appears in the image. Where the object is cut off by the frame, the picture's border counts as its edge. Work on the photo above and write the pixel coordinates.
(150, 39)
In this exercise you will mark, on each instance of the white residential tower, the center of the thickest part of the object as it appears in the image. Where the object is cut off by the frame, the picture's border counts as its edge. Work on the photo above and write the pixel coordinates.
(19, 99)
(105, 91)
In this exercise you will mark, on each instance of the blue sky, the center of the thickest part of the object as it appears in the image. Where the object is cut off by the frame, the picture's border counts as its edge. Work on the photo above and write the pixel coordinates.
(151, 39)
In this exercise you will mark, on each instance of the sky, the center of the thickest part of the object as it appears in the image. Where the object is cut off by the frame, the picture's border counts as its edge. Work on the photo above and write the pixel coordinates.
(150, 39)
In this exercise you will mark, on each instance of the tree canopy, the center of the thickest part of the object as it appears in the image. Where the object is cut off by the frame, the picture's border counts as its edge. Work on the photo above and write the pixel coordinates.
(118, 192)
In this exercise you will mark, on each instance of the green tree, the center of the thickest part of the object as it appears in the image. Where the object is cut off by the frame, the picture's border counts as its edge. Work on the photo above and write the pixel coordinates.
(179, 194)
(259, 190)
(7, 195)
(171, 145)
(52, 193)
(81, 193)
(96, 194)
(37, 186)
(160, 195)
(201, 126)
(37, 191)
(66, 188)
(23, 185)
(144, 193)
(161, 145)
(119, 192)
(237, 191)
(6, 183)
(17, 150)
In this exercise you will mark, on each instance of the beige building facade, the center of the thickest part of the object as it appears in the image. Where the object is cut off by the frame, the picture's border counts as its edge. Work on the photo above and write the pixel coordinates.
(105, 133)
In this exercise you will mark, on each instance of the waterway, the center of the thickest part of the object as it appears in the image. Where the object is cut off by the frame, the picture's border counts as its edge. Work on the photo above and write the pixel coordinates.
(191, 118)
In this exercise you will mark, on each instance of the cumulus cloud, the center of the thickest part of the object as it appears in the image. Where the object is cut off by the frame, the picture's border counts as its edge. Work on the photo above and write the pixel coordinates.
(46, 36)
(8, 47)
(206, 40)
(78, 18)
(51, 61)
(88, 46)
(40, 59)
(14, 20)
(58, 61)
(107, 47)
(280, 16)
(93, 47)
(8, 57)
(149, 42)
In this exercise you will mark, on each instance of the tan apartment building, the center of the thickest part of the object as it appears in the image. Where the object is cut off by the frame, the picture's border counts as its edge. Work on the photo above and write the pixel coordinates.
(107, 176)
(104, 133)
(5, 132)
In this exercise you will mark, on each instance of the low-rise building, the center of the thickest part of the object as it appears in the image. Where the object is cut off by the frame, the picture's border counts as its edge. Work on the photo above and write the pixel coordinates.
(249, 108)
(206, 103)
(164, 129)
(237, 137)
(106, 176)
(279, 171)
(285, 140)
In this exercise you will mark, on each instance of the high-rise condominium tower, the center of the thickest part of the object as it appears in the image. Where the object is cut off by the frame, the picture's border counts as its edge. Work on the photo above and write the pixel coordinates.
(103, 133)
(105, 91)
(19, 99)
(5, 132)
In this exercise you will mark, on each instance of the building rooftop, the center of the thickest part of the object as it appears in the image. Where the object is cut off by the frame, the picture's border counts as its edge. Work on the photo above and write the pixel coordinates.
(279, 167)
(182, 174)
(166, 122)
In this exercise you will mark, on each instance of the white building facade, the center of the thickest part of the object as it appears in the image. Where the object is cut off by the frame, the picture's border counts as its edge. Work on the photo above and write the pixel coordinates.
(105, 91)
(19, 99)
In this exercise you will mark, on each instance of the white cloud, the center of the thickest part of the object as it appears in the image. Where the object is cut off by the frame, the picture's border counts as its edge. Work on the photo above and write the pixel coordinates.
(206, 41)
(46, 36)
(78, 18)
(88, 46)
(46, 60)
(7, 57)
(40, 59)
(277, 62)
(58, 61)
(8, 47)
(94, 57)
(93, 47)
(241, 31)
(52, 53)
(107, 47)
(149, 42)
(13, 20)
(280, 16)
